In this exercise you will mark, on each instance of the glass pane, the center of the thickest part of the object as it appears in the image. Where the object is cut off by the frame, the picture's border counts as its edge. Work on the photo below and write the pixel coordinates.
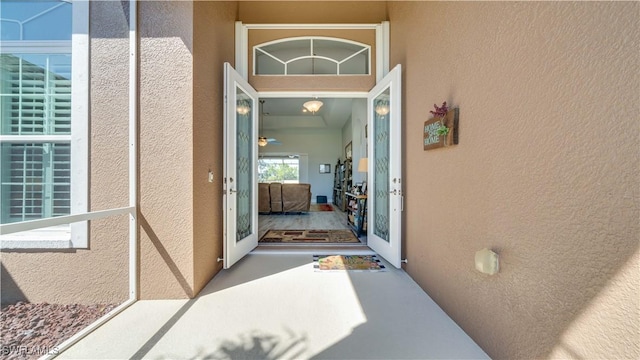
(357, 65)
(244, 163)
(36, 20)
(288, 50)
(35, 91)
(337, 50)
(35, 181)
(381, 116)
(279, 169)
(266, 65)
(310, 66)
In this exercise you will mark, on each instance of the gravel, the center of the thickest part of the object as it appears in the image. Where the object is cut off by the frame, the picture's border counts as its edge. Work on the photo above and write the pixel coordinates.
(29, 331)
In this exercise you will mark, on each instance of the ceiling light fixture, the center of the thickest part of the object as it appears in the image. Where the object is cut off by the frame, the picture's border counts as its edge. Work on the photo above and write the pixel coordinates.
(243, 107)
(313, 105)
(382, 107)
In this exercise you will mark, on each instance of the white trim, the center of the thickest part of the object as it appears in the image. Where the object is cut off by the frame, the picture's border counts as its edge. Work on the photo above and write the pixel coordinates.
(310, 26)
(35, 138)
(61, 220)
(35, 46)
(133, 149)
(242, 53)
(379, 54)
(80, 87)
(312, 94)
(386, 66)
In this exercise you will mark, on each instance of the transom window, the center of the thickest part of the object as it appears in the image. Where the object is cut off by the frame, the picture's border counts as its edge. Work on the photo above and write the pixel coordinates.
(312, 56)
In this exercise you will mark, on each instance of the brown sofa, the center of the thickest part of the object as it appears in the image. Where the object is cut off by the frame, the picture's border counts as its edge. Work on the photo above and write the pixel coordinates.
(283, 198)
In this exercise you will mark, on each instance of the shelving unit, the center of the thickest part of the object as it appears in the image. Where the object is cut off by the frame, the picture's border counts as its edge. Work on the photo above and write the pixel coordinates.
(341, 183)
(357, 213)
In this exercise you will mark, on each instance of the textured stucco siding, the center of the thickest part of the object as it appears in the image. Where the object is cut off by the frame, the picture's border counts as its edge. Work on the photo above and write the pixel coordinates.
(214, 44)
(546, 172)
(166, 149)
(98, 274)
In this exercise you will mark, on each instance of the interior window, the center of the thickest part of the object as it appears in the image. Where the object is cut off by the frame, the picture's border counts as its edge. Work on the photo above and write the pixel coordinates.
(282, 169)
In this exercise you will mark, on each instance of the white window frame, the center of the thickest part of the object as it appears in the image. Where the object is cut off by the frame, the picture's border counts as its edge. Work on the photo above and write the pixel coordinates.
(285, 64)
(74, 235)
(382, 42)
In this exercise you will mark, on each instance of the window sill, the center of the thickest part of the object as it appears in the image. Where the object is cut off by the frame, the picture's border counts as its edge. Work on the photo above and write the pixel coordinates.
(57, 237)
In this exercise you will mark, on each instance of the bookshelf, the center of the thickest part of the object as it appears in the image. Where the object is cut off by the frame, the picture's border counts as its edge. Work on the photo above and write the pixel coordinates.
(357, 213)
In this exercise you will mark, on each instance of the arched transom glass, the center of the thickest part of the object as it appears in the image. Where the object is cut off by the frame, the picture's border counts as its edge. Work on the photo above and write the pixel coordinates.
(312, 56)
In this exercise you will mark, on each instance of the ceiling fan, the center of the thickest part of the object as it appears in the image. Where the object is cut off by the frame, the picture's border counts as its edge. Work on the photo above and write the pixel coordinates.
(262, 140)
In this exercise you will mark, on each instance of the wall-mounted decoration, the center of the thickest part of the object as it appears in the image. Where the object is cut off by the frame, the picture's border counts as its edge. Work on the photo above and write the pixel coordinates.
(347, 151)
(325, 168)
(442, 129)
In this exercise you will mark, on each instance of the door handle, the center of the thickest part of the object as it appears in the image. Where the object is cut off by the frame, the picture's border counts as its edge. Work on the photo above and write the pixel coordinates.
(394, 192)
(231, 191)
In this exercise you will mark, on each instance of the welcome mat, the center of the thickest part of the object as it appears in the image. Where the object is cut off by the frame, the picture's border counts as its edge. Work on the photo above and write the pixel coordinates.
(321, 207)
(309, 236)
(347, 262)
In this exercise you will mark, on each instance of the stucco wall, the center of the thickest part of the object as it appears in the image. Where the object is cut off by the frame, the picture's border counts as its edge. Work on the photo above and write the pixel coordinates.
(98, 274)
(166, 149)
(214, 43)
(546, 172)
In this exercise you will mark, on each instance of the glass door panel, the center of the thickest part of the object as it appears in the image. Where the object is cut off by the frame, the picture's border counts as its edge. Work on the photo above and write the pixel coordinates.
(240, 182)
(384, 233)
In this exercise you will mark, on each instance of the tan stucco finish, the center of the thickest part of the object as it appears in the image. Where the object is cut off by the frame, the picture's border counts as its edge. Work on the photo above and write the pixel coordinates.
(214, 44)
(546, 172)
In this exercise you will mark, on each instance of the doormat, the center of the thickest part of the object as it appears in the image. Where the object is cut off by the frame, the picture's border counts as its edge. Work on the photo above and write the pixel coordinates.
(368, 263)
(321, 207)
(309, 236)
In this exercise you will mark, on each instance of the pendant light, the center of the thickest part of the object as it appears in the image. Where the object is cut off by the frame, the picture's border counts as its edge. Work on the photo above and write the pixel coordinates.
(262, 140)
(313, 105)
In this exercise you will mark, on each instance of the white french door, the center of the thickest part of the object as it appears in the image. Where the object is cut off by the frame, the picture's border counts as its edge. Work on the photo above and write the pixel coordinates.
(240, 183)
(384, 232)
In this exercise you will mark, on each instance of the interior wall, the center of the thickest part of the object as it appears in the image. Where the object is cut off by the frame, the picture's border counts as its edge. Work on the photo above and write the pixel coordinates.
(358, 138)
(546, 172)
(214, 44)
(97, 275)
(321, 147)
(166, 149)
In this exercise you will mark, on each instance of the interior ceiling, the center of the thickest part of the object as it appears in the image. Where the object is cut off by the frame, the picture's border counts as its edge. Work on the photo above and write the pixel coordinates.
(287, 113)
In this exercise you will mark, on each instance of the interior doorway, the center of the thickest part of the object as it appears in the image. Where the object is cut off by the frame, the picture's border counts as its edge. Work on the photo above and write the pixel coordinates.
(307, 179)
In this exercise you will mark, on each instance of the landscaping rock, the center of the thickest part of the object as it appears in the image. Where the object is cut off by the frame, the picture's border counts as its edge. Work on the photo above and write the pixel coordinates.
(29, 331)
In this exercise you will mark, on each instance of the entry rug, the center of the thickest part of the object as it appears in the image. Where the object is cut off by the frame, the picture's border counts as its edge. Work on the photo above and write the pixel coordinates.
(321, 207)
(368, 263)
(309, 236)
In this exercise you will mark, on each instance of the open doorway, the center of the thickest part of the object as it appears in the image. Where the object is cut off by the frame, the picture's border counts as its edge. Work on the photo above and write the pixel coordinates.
(310, 191)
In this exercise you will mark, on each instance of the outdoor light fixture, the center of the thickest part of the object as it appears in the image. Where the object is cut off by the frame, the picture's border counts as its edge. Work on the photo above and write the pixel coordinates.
(262, 141)
(382, 107)
(313, 105)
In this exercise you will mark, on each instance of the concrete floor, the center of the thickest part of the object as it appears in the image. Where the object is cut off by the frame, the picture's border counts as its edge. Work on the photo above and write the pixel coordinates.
(276, 307)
